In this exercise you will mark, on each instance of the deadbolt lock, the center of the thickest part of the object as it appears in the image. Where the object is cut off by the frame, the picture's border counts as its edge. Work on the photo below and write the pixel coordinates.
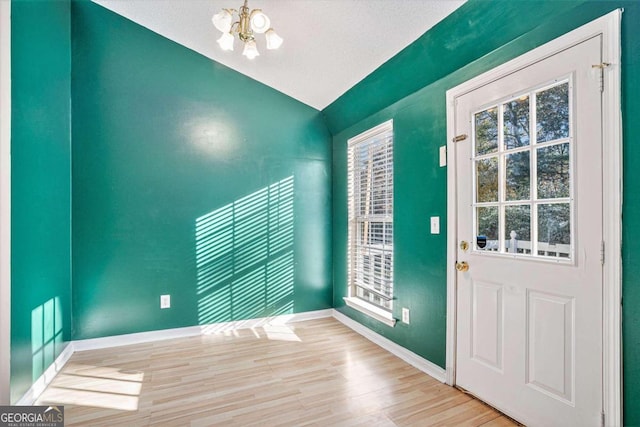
(462, 266)
(464, 245)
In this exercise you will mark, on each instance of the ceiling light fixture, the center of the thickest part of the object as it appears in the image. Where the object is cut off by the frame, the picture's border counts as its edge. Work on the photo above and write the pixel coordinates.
(248, 22)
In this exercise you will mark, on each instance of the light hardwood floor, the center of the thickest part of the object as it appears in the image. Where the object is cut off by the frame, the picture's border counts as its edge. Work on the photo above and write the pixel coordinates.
(313, 373)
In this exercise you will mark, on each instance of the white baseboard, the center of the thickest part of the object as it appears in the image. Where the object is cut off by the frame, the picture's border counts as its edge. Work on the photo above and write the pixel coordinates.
(38, 387)
(137, 338)
(408, 356)
(191, 331)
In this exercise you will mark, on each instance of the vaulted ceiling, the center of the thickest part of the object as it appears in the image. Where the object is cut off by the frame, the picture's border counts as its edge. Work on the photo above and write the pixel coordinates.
(329, 45)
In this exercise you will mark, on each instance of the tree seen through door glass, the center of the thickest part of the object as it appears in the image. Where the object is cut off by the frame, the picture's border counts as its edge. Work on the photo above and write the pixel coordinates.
(517, 229)
(523, 173)
(487, 180)
(554, 230)
(516, 123)
(552, 113)
(486, 131)
(488, 227)
(553, 171)
(518, 176)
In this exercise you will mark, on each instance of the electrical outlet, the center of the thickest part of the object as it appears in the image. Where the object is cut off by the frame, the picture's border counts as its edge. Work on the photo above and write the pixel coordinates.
(405, 315)
(165, 301)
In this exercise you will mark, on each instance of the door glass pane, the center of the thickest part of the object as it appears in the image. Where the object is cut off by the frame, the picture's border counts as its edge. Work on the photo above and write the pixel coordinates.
(486, 131)
(554, 230)
(518, 176)
(522, 171)
(487, 228)
(553, 171)
(517, 229)
(516, 123)
(553, 113)
(487, 180)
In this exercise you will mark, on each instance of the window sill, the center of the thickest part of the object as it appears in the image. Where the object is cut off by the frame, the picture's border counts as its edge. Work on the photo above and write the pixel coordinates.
(371, 311)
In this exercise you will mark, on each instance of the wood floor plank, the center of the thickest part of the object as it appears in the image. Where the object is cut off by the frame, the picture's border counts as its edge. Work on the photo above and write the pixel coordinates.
(313, 373)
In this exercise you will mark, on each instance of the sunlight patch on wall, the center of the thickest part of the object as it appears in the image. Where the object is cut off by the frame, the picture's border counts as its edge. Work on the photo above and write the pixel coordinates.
(244, 256)
(46, 336)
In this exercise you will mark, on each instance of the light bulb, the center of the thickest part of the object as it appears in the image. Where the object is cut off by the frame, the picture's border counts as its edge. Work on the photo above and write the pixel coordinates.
(250, 49)
(226, 41)
(274, 41)
(259, 21)
(222, 20)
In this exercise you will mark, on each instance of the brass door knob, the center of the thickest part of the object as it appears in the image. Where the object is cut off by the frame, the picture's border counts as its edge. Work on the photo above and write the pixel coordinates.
(462, 266)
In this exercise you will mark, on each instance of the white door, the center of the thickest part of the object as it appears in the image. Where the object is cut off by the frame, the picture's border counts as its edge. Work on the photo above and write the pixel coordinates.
(529, 197)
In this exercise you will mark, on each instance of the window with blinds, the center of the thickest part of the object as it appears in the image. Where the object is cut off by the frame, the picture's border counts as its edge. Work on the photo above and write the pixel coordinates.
(370, 252)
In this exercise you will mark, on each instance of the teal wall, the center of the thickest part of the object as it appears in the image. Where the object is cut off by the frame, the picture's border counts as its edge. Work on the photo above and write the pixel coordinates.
(410, 89)
(163, 136)
(41, 188)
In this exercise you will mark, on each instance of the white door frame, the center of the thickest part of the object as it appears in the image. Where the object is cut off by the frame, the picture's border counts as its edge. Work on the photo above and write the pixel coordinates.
(609, 27)
(5, 201)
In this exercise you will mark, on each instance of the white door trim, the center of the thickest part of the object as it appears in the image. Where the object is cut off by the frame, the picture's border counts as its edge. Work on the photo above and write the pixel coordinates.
(5, 201)
(609, 27)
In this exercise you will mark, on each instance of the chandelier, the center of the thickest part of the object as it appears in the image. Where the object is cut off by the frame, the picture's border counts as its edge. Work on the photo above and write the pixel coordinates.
(248, 22)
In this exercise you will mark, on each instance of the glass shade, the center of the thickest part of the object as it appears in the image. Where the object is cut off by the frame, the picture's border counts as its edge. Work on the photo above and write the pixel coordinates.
(259, 21)
(274, 41)
(222, 20)
(250, 49)
(226, 41)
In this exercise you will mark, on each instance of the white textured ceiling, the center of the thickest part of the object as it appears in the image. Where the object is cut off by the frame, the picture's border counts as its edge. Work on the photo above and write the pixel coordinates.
(329, 45)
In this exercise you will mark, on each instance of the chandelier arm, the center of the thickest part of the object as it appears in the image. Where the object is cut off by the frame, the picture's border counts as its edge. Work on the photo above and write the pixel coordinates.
(235, 28)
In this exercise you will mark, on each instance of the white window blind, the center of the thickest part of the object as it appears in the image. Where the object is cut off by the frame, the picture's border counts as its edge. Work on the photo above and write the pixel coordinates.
(370, 195)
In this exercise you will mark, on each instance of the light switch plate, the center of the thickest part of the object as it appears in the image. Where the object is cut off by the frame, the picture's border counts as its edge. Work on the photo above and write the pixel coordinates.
(405, 315)
(435, 225)
(443, 155)
(165, 301)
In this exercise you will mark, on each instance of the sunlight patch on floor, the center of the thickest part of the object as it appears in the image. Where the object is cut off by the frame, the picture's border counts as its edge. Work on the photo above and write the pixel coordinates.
(94, 386)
